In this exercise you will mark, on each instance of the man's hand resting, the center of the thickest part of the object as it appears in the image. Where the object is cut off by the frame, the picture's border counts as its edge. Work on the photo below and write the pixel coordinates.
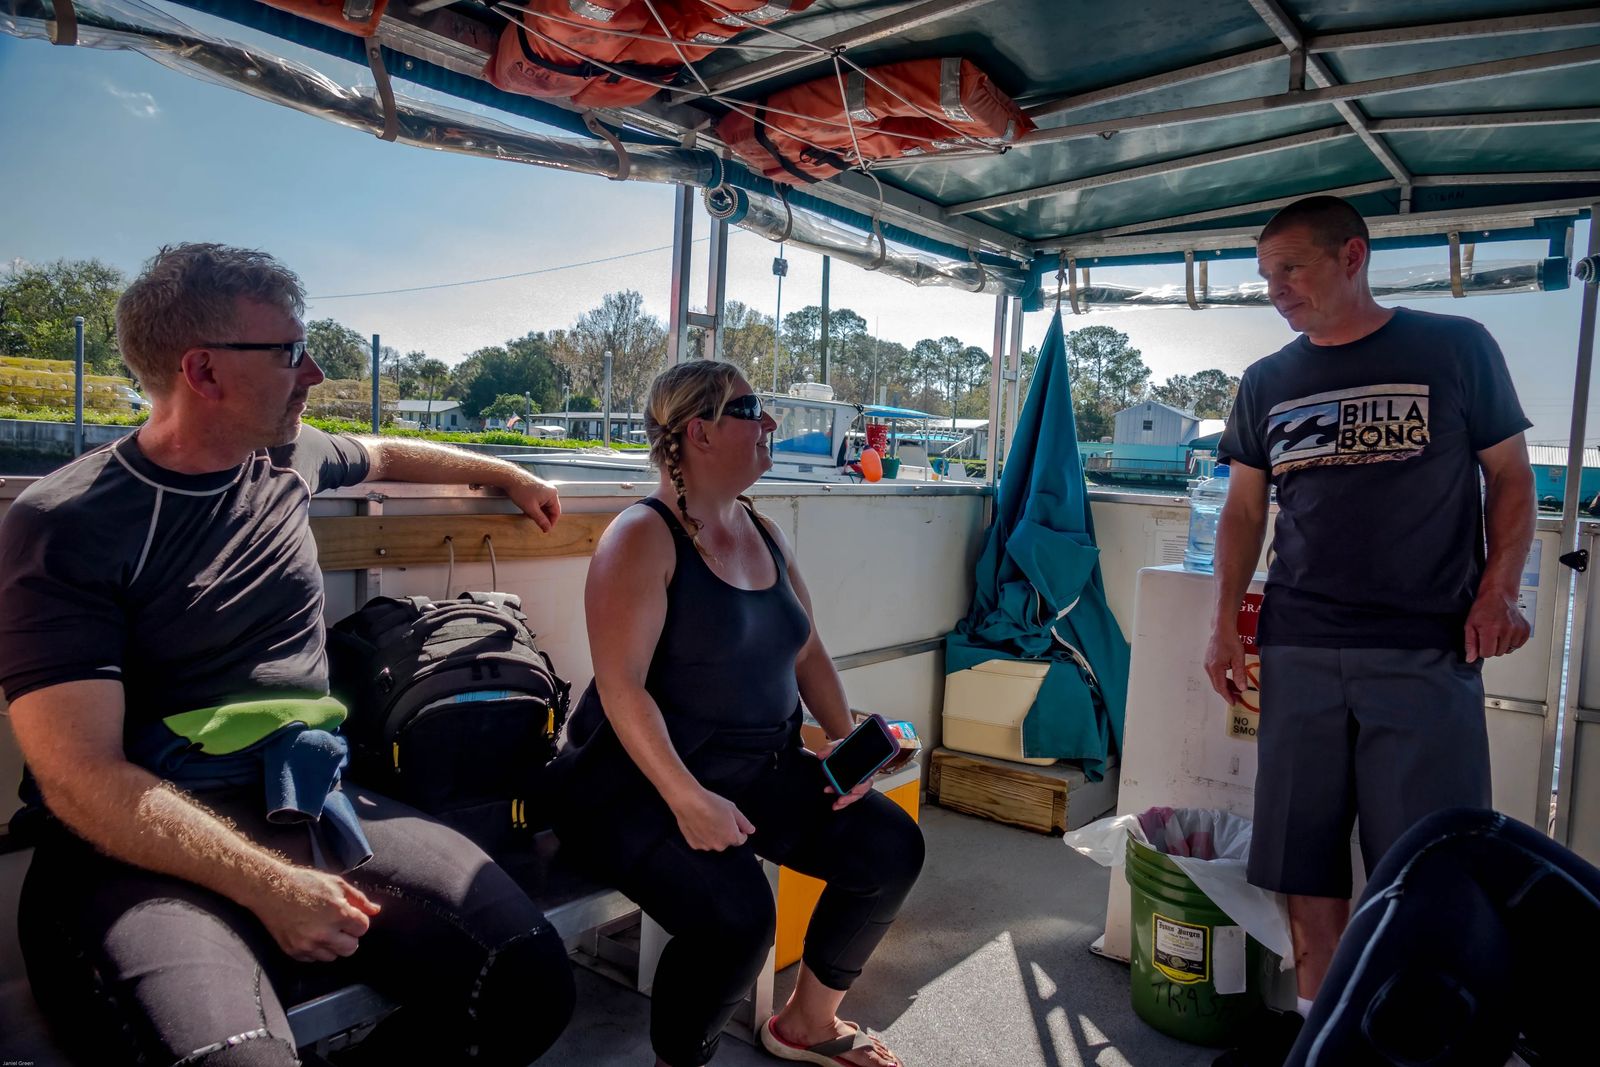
(313, 915)
(538, 499)
(1226, 654)
(1495, 626)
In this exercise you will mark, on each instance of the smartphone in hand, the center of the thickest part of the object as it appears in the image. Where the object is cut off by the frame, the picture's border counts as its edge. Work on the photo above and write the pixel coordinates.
(860, 755)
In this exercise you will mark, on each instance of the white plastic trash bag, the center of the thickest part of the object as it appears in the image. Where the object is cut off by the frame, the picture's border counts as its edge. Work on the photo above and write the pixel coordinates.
(1209, 846)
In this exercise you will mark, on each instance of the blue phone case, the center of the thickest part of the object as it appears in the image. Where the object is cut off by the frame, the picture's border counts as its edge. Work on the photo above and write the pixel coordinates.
(894, 748)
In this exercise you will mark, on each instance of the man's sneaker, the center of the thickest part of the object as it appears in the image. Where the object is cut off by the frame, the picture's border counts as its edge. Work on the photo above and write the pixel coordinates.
(1266, 1043)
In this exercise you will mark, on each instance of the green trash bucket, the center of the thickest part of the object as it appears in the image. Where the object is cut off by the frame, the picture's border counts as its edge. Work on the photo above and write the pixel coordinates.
(1179, 960)
(891, 466)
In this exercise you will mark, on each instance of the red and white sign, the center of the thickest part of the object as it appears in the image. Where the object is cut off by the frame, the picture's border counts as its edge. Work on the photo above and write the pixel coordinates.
(1245, 716)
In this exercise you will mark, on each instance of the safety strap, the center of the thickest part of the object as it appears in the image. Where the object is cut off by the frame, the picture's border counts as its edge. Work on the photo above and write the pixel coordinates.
(64, 27)
(670, 75)
(380, 76)
(602, 131)
(1457, 288)
(760, 130)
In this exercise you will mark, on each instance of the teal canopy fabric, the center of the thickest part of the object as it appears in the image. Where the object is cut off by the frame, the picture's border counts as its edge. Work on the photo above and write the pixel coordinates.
(1039, 592)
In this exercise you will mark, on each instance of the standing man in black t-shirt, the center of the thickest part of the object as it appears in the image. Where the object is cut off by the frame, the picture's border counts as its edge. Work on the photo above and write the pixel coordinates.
(162, 650)
(1396, 570)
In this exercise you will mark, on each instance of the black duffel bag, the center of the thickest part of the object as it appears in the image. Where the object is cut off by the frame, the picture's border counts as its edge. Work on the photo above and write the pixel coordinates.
(454, 709)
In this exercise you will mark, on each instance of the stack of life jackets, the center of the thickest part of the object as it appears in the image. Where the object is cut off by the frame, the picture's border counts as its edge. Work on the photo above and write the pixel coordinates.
(562, 57)
(914, 107)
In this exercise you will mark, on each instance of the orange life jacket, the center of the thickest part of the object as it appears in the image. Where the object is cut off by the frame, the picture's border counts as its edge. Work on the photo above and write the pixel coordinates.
(908, 108)
(332, 13)
(569, 47)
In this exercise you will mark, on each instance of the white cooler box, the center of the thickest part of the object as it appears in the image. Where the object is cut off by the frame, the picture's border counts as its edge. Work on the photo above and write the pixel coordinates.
(984, 708)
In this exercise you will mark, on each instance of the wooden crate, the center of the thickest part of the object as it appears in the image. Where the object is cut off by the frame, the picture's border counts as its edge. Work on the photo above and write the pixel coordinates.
(1050, 800)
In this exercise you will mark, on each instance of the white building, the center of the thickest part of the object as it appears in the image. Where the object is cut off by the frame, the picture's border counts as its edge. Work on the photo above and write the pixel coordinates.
(442, 414)
(1152, 423)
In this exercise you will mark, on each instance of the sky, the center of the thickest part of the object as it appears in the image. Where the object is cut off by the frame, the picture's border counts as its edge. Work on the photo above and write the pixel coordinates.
(110, 155)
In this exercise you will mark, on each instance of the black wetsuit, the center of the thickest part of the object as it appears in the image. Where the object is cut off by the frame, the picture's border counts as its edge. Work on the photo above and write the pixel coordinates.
(199, 590)
(723, 677)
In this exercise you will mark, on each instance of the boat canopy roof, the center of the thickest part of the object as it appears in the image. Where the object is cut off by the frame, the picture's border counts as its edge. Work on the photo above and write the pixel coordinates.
(878, 411)
(1166, 130)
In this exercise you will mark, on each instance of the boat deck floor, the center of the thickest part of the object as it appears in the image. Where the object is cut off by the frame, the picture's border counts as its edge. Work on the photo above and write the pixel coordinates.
(988, 966)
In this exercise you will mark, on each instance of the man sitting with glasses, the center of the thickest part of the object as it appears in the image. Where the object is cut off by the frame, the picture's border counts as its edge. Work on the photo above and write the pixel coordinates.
(162, 650)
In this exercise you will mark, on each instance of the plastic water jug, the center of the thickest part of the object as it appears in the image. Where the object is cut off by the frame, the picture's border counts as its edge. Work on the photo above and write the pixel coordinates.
(1205, 507)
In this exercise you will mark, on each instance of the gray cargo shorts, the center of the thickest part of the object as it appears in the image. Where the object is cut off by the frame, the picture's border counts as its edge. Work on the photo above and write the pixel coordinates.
(1390, 735)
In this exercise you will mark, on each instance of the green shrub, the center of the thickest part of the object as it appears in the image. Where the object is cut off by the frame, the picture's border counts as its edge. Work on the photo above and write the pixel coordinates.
(327, 425)
(59, 414)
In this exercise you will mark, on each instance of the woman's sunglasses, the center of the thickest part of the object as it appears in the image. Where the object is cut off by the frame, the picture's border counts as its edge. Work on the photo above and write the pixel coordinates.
(747, 407)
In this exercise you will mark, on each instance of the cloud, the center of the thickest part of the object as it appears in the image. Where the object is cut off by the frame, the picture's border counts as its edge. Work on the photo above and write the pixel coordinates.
(139, 105)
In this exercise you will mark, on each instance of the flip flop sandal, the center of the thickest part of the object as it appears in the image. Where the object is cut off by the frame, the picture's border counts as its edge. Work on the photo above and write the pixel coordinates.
(828, 1053)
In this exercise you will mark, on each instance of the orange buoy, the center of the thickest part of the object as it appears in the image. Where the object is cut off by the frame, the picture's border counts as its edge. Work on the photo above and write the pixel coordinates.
(871, 464)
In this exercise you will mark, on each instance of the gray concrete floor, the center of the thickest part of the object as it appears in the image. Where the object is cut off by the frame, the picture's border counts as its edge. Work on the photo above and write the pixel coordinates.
(988, 966)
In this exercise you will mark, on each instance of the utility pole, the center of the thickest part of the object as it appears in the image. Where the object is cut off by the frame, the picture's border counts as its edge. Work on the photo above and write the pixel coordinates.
(780, 267)
(826, 261)
(377, 407)
(77, 388)
(606, 440)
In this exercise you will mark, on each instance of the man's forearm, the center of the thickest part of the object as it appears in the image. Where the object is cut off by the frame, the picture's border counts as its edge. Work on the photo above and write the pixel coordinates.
(403, 460)
(1239, 537)
(1509, 521)
(131, 815)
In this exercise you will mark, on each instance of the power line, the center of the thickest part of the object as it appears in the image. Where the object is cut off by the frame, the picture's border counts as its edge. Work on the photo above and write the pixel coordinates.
(506, 277)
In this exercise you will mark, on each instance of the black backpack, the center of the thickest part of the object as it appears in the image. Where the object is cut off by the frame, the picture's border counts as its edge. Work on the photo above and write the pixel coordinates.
(453, 709)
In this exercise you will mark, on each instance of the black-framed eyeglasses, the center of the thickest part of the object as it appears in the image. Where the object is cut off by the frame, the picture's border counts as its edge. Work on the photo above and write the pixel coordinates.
(296, 350)
(747, 407)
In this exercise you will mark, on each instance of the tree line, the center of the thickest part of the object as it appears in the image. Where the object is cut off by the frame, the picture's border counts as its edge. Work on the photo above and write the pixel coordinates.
(556, 369)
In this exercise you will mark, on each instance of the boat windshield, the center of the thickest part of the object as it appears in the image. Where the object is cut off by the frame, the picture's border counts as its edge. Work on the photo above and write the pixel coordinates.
(803, 429)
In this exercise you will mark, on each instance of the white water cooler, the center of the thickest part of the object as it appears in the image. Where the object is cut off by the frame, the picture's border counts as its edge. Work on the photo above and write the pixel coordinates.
(1183, 747)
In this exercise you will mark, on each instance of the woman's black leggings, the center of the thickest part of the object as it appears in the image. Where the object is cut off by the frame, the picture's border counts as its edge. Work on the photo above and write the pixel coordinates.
(136, 967)
(1470, 938)
(718, 906)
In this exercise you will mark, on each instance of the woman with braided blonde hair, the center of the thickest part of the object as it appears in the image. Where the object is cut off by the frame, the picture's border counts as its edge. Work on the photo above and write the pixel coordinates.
(684, 762)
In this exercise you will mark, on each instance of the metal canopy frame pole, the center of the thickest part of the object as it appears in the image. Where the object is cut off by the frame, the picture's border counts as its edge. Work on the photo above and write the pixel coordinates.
(1086, 248)
(1569, 542)
(996, 382)
(1398, 83)
(1013, 371)
(1093, 181)
(1316, 44)
(716, 290)
(682, 246)
(1292, 37)
(1555, 116)
(827, 47)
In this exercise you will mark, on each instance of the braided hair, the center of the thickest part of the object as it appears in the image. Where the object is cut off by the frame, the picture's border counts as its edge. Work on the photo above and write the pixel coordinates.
(698, 388)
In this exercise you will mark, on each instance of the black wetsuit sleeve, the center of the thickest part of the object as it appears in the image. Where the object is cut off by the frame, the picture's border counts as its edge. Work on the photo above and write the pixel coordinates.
(324, 460)
(63, 617)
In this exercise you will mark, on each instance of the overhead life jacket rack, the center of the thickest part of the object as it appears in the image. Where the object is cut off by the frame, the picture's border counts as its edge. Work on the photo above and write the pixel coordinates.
(809, 131)
(614, 53)
(360, 17)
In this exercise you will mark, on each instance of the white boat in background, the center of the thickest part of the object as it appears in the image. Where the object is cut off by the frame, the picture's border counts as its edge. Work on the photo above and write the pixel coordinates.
(818, 439)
